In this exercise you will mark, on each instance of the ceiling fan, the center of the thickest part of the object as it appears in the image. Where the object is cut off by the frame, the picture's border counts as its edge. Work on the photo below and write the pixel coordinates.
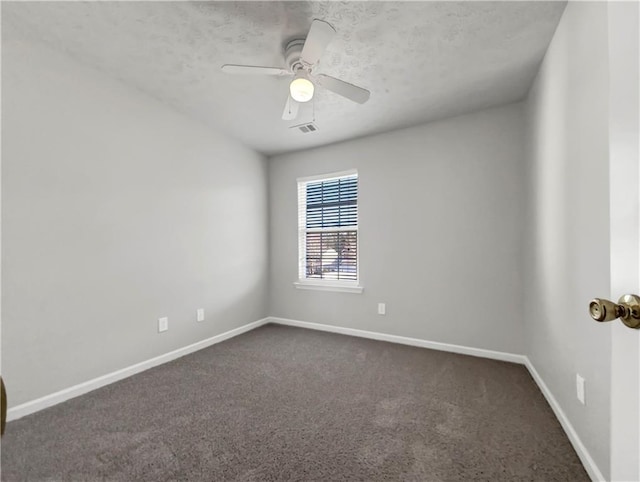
(301, 57)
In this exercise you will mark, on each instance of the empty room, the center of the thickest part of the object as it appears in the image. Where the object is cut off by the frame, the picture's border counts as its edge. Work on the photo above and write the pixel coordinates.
(320, 241)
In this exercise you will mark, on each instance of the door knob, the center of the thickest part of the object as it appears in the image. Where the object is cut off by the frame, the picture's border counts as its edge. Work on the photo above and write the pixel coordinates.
(627, 309)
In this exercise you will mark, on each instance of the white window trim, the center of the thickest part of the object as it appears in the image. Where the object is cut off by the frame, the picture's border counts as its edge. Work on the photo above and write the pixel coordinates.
(304, 283)
(328, 177)
(328, 285)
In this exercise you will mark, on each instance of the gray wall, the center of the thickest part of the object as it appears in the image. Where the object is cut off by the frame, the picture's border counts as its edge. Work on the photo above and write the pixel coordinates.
(116, 210)
(567, 249)
(440, 210)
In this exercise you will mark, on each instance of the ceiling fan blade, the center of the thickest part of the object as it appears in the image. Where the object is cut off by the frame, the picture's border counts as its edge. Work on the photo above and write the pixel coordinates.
(319, 36)
(290, 109)
(345, 89)
(253, 70)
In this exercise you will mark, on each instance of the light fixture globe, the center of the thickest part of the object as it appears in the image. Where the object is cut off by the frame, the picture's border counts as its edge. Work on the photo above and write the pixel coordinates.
(301, 89)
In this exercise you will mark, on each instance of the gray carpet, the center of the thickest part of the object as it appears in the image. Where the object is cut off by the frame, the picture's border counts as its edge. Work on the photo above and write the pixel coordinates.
(283, 403)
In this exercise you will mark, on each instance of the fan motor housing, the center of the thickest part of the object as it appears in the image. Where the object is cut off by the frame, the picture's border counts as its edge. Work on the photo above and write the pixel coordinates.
(292, 53)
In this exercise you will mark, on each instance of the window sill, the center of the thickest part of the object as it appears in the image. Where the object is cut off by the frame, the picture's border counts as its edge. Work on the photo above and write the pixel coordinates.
(306, 285)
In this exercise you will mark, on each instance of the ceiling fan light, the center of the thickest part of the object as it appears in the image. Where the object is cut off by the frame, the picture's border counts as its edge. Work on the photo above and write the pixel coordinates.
(301, 89)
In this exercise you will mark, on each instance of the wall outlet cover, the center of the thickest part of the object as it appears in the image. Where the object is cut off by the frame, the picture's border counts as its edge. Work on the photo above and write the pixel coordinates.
(200, 314)
(580, 389)
(382, 309)
(163, 324)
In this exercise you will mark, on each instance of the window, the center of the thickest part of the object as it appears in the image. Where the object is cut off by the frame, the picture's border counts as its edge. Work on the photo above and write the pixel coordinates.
(328, 232)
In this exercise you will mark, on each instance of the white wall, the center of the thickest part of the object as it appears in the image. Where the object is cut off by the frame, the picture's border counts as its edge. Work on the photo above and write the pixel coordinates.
(567, 248)
(116, 210)
(440, 209)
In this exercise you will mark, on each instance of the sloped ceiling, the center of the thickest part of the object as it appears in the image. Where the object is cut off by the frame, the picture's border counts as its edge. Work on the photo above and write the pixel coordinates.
(421, 60)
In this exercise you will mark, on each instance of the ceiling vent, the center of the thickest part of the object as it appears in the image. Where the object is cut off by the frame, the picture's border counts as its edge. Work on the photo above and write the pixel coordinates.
(306, 128)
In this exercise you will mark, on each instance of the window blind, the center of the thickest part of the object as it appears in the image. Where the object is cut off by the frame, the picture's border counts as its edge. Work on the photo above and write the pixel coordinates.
(328, 222)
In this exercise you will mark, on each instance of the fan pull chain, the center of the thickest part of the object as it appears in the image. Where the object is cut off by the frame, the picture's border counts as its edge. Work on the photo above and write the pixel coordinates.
(313, 107)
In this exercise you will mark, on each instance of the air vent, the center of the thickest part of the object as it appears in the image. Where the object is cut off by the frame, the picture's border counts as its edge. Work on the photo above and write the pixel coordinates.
(306, 128)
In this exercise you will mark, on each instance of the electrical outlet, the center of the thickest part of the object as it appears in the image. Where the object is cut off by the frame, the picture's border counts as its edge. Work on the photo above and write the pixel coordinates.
(200, 314)
(163, 324)
(382, 309)
(580, 389)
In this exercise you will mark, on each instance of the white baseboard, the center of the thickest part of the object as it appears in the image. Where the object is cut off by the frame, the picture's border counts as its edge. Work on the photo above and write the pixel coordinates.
(581, 450)
(588, 462)
(38, 404)
(403, 340)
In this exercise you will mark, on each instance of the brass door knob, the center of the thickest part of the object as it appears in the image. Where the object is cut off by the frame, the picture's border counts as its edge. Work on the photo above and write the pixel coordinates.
(627, 309)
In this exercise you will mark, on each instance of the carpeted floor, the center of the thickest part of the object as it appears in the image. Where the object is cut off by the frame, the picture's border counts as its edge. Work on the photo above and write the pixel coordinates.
(282, 403)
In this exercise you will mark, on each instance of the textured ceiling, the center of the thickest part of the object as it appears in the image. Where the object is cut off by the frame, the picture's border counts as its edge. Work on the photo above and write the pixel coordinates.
(421, 60)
